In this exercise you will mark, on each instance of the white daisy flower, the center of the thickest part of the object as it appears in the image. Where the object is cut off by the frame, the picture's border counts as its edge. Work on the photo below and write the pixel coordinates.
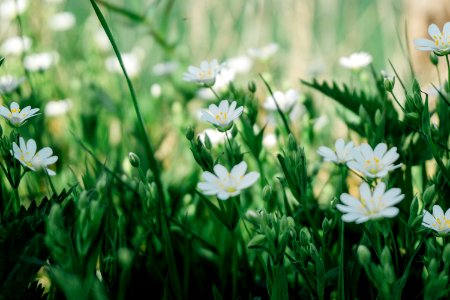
(341, 155)
(226, 184)
(16, 45)
(205, 75)
(270, 140)
(286, 101)
(222, 116)
(130, 60)
(222, 82)
(17, 116)
(62, 21)
(356, 60)
(56, 108)
(9, 84)
(370, 205)
(239, 64)
(40, 61)
(165, 68)
(28, 157)
(216, 137)
(437, 221)
(265, 52)
(9, 9)
(374, 163)
(440, 43)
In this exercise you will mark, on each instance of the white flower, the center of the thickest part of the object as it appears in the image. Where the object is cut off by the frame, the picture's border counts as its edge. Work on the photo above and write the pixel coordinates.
(239, 64)
(40, 61)
(285, 100)
(264, 52)
(270, 140)
(101, 40)
(437, 221)
(62, 21)
(374, 163)
(320, 123)
(226, 184)
(342, 154)
(205, 75)
(223, 115)
(216, 137)
(16, 45)
(223, 79)
(370, 205)
(155, 90)
(9, 84)
(130, 60)
(356, 61)
(9, 9)
(28, 157)
(17, 116)
(165, 68)
(57, 107)
(440, 43)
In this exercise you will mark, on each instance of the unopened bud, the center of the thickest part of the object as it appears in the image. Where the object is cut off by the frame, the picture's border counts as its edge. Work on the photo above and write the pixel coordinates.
(135, 161)
(251, 86)
(364, 256)
(434, 59)
(446, 254)
(190, 133)
(267, 193)
(389, 83)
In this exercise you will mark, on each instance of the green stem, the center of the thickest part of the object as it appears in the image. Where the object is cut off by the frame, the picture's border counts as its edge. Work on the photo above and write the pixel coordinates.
(448, 73)
(341, 283)
(214, 92)
(398, 102)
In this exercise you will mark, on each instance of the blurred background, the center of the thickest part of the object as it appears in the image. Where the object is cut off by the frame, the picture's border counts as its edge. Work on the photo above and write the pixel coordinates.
(59, 59)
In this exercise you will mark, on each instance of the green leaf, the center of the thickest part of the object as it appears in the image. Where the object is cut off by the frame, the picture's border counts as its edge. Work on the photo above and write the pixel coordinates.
(214, 210)
(2, 60)
(280, 285)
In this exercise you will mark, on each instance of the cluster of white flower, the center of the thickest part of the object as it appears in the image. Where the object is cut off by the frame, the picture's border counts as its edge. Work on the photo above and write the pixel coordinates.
(25, 152)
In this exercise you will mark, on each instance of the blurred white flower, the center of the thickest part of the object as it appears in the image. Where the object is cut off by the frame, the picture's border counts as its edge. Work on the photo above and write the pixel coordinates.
(264, 52)
(56, 108)
(9, 9)
(226, 184)
(101, 40)
(374, 163)
(9, 84)
(28, 157)
(165, 68)
(16, 45)
(155, 90)
(223, 79)
(356, 60)
(440, 43)
(216, 137)
(341, 155)
(370, 205)
(130, 60)
(17, 116)
(62, 21)
(286, 101)
(222, 116)
(239, 64)
(437, 221)
(40, 61)
(270, 140)
(205, 75)
(320, 123)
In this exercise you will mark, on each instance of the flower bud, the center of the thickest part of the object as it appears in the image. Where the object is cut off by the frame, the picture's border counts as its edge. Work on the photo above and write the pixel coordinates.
(208, 143)
(446, 254)
(428, 194)
(389, 83)
(257, 241)
(135, 161)
(267, 193)
(125, 256)
(378, 117)
(251, 86)
(364, 256)
(434, 59)
(190, 133)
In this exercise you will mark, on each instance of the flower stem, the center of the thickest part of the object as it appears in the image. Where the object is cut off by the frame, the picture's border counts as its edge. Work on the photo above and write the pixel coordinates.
(398, 102)
(448, 73)
(341, 282)
(214, 92)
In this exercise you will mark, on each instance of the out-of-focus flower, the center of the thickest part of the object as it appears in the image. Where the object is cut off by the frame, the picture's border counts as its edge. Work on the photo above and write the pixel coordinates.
(28, 157)
(17, 116)
(101, 40)
(437, 221)
(165, 68)
(226, 184)
(286, 101)
(155, 90)
(239, 64)
(270, 140)
(62, 21)
(16, 45)
(440, 43)
(356, 61)
(374, 163)
(223, 79)
(9, 9)
(40, 61)
(56, 108)
(370, 205)
(342, 154)
(205, 75)
(216, 137)
(222, 116)
(9, 84)
(130, 60)
(265, 52)
(320, 123)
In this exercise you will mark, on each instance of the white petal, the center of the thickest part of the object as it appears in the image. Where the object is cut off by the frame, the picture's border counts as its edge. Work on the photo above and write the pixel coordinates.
(380, 149)
(389, 212)
(339, 146)
(50, 172)
(428, 219)
(364, 191)
(366, 151)
(248, 180)
(346, 209)
(44, 152)
(433, 30)
(223, 195)
(362, 219)
(327, 153)
(350, 217)
(223, 106)
(446, 31)
(438, 212)
(425, 45)
(4, 112)
(379, 191)
(221, 171)
(50, 160)
(239, 169)
(350, 200)
(209, 177)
